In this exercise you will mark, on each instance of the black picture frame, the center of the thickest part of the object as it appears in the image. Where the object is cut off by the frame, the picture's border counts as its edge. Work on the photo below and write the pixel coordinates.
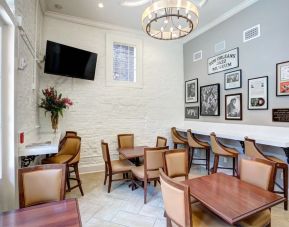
(258, 99)
(238, 61)
(187, 83)
(195, 114)
(238, 114)
(278, 80)
(240, 79)
(207, 108)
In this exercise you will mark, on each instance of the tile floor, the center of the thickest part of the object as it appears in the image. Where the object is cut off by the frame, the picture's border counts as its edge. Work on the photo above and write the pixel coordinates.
(123, 207)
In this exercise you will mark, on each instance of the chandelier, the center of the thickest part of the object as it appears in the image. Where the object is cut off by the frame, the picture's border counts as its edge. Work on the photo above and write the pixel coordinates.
(170, 19)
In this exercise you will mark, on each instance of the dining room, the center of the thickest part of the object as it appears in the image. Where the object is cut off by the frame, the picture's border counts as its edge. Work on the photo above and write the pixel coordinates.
(144, 113)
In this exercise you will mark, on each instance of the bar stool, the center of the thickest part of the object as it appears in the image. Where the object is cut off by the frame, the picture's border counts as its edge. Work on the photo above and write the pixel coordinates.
(195, 143)
(221, 150)
(252, 150)
(177, 138)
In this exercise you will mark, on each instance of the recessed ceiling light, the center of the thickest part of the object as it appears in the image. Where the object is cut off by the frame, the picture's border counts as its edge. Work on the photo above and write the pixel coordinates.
(57, 6)
(100, 5)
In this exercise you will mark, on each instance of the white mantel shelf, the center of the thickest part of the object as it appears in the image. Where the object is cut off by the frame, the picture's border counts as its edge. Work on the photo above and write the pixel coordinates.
(266, 135)
(41, 144)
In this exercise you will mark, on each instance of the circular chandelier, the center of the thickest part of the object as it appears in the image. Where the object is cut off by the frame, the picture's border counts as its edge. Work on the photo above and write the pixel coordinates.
(170, 19)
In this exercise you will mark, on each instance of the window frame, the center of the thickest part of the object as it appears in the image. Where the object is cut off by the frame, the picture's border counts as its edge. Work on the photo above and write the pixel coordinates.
(134, 42)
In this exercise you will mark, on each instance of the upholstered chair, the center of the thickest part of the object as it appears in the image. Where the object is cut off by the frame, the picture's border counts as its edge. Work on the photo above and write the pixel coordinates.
(176, 164)
(67, 133)
(41, 184)
(253, 151)
(149, 172)
(178, 209)
(125, 141)
(113, 167)
(220, 149)
(195, 143)
(178, 138)
(261, 173)
(161, 142)
(69, 155)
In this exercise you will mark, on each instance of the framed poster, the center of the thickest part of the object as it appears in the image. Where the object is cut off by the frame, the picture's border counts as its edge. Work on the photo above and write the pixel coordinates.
(233, 107)
(233, 80)
(224, 61)
(280, 115)
(282, 79)
(191, 91)
(258, 93)
(192, 112)
(210, 100)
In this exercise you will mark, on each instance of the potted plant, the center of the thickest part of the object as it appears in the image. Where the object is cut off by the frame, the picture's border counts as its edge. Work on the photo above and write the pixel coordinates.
(54, 103)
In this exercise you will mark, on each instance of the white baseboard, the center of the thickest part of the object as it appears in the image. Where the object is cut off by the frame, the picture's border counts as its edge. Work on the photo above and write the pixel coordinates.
(91, 168)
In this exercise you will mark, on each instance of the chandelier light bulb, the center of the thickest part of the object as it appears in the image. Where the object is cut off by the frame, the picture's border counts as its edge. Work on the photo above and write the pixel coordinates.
(180, 27)
(166, 21)
(162, 29)
(171, 29)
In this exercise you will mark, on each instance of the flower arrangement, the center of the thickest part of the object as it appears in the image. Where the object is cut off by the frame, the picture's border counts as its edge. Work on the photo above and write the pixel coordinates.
(54, 103)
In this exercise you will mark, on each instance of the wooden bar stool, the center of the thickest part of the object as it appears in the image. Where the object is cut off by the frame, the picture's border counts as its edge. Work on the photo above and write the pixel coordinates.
(177, 138)
(253, 151)
(221, 150)
(195, 143)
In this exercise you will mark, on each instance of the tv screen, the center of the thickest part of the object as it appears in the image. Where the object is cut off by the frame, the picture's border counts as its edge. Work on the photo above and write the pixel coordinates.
(69, 61)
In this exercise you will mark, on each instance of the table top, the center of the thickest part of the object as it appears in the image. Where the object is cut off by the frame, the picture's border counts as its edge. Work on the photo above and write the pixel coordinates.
(134, 152)
(267, 135)
(62, 213)
(231, 198)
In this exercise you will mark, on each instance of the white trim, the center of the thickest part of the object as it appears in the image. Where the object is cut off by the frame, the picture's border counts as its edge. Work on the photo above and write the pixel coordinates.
(220, 19)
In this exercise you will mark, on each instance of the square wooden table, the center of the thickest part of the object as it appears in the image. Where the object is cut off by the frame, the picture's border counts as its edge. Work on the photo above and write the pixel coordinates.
(133, 153)
(62, 213)
(230, 198)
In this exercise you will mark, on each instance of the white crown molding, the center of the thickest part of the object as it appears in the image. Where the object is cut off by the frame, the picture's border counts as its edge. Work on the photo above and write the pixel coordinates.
(87, 22)
(220, 19)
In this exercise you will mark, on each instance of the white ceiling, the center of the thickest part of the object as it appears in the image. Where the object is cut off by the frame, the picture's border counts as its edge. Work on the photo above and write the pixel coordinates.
(128, 17)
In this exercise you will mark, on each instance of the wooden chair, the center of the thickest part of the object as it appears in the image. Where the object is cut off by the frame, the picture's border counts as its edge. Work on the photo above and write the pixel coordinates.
(176, 164)
(67, 133)
(125, 141)
(221, 150)
(253, 151)
(161, 142)
(69, 155)
(41, 184)
(178, 209)
(261, 173)
(113, 167)
(149, 172)
(194, 143)
(178, 138)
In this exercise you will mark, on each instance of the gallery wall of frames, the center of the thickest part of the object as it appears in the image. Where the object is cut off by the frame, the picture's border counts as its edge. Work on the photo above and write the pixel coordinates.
(237, 79)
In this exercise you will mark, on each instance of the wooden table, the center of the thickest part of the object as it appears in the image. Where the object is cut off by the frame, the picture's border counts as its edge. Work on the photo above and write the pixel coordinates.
(63, 213)
(230, 198)
(133, 153)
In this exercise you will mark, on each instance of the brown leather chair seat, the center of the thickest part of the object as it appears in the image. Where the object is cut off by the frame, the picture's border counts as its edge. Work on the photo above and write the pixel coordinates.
(139, 172)
(121, 166)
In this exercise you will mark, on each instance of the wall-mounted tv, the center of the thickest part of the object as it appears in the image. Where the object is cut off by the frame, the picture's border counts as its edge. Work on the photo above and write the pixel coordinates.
(69, 61)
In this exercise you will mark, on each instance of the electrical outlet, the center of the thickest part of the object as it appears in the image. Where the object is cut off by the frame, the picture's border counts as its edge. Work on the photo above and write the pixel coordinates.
(225, 160)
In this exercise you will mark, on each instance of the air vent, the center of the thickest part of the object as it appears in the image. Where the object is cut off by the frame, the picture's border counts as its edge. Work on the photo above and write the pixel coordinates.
(197, 56)
(220, 46)
(252, 33)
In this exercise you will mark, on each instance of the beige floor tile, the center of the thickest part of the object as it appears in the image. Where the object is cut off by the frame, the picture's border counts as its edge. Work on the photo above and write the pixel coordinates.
(133, 220)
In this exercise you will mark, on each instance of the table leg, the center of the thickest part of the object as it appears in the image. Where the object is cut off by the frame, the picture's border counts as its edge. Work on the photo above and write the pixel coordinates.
(243, 146)
(136, 161)
(26, 160)
(286, 150)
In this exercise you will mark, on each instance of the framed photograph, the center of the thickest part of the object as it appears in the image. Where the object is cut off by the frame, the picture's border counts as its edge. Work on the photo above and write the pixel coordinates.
(233, 107)
(191, 91)
(224, 61)
(258, 93)
(210, 100)
(233, 80)
(282, 79)
(192, 112)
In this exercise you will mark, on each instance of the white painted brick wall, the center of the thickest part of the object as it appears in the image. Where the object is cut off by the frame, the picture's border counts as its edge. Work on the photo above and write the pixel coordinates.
(101, 112)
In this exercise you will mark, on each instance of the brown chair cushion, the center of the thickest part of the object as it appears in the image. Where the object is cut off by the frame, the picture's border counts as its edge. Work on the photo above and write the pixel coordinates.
(260, 219)
(138, 171)
(42, 186)
(121, 166)
(59, 159)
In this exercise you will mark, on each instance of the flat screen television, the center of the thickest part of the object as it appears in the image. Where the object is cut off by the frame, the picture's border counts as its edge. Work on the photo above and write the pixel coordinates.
(69, 61)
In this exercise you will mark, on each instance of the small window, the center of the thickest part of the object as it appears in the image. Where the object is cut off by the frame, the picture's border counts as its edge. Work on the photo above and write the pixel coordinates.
(124, 61)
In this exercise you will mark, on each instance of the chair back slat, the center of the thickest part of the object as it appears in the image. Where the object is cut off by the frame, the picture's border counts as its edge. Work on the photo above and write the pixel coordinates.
(125, 140)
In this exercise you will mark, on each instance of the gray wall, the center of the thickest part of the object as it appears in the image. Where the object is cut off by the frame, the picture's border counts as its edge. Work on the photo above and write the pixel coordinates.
(257, 57)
